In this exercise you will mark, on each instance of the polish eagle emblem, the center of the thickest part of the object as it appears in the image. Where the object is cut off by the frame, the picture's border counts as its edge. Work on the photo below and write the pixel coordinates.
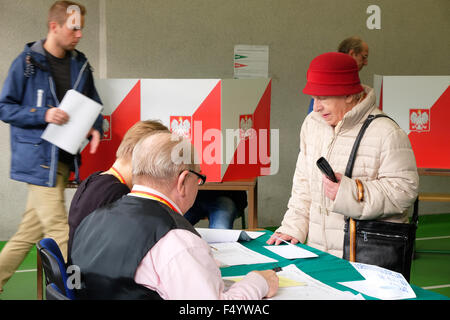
(419, 120)
(245, 124)
(181, 126)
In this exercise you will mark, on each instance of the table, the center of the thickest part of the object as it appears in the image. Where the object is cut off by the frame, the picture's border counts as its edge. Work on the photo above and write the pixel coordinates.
(249, 185)
(434, 197)
(325, 268)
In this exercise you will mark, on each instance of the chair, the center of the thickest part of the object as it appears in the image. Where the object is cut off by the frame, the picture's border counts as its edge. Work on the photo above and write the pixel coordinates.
(54, 267)
(52, 293)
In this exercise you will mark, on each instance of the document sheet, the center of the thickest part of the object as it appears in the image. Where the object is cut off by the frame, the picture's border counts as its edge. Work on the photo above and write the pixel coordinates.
(82, 113)
(291, 251)
(310, 288)
(380, 283)
(227, 235)
(283, 282)
(234, 254)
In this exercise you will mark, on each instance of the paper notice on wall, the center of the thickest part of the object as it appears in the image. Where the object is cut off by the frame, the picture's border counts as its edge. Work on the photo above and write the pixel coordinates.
(82, 113)
(251, 61)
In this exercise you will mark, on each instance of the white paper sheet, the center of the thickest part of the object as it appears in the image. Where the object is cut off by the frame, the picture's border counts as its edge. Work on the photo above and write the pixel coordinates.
(311, 290)
(291, 251)
(283, 282)
(234, 254)
(82, 113)
(227, 235)
(380, 283)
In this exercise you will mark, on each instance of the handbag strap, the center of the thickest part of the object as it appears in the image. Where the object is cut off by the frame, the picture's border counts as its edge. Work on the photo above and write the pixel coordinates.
(351, 160)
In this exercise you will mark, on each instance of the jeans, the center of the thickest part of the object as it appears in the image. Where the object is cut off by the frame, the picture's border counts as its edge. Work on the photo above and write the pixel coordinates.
(221, 212)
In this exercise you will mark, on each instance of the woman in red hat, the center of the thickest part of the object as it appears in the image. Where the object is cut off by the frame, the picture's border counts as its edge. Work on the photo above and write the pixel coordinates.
(384, 165)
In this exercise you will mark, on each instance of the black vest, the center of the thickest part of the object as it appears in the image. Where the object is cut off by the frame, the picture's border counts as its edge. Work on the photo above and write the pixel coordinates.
(110, 243)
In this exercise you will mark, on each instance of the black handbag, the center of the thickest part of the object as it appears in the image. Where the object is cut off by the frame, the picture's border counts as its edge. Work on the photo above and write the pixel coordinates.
(385, 244)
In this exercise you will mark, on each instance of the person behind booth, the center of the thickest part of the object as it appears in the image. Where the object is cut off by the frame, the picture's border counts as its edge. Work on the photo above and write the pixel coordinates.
(141, 246)
(102, 188)
(37, 81)
(220, 207)
(386, 168)
(356, 48)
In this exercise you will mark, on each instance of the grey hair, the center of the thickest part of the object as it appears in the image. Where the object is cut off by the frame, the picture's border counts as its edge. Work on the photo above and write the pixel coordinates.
(357, 97)
(162, 156)
(352, 43)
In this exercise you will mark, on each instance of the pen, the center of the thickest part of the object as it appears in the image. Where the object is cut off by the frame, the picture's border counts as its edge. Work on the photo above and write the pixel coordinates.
(277, 269)
(214, 248)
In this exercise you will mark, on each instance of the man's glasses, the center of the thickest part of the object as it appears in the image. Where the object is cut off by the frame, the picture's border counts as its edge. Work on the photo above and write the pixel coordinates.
(201, 177)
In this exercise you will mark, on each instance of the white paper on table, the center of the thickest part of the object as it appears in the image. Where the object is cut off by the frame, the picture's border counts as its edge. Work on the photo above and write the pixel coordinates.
(313, 290)
(82, 113)
(227, 235)
(291, 251)
(380, 283)
(234, 254)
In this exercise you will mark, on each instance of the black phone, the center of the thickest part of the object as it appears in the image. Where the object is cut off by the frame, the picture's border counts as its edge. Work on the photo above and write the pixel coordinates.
(325, 167)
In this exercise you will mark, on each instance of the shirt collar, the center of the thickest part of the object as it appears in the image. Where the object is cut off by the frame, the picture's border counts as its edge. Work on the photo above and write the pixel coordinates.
(138, 188)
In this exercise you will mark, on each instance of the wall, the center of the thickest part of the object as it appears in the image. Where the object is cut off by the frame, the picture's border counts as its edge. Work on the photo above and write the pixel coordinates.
(196, 38)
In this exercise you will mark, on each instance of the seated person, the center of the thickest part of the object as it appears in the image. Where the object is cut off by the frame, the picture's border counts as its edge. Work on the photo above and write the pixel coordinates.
(221, 207)
(101, 188)
(141, 246)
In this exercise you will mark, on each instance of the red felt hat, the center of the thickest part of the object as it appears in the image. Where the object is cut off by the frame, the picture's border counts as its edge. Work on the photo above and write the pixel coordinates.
(332, 74)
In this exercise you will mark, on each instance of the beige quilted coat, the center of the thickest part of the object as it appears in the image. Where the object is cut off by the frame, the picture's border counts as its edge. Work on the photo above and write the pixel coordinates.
(384, 163)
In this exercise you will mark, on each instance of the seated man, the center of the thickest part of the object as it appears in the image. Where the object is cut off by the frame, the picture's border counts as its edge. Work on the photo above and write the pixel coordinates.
(219, 206)
(141, 246)
(101, 188)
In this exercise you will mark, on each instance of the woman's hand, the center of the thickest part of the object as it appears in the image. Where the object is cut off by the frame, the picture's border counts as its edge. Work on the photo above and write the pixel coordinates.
(275, 238)
(331, 188)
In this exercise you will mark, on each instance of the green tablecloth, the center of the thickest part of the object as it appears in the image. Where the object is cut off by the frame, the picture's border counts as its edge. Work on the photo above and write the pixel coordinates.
(325, 268)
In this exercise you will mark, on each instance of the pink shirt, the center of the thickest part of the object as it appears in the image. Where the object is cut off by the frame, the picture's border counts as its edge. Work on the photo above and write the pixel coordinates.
(180, 266)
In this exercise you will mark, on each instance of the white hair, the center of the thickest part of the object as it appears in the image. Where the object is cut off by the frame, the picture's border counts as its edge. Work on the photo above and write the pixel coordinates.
(162, 156)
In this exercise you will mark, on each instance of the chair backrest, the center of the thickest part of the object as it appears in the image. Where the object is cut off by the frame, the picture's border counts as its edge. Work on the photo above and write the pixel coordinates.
(53, 293)
(54, 266)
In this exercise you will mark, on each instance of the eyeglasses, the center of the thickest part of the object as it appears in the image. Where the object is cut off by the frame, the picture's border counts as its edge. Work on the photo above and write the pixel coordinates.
(201, 177)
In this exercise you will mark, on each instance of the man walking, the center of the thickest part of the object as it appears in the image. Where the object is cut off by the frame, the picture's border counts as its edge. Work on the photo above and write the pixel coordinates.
(37, 81)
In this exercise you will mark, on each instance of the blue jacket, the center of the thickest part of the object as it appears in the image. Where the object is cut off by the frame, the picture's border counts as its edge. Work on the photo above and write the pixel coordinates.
(28, 92)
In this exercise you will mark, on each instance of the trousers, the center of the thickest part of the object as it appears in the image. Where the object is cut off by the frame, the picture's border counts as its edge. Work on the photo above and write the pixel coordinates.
(45, 216)
(220, 211)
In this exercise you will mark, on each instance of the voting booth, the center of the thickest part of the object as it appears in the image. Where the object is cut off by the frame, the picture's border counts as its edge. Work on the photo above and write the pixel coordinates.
(228, 121)
(421, 107)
